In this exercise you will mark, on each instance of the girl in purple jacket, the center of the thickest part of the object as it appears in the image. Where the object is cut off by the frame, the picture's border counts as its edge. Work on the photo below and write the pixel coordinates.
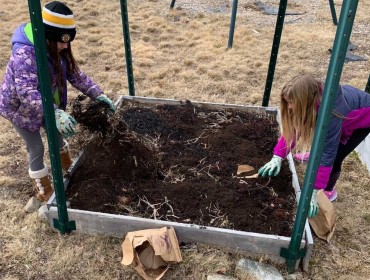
(20, 97)
(348, 127)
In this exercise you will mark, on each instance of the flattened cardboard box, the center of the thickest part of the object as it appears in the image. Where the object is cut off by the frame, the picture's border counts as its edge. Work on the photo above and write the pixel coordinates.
(151, 251)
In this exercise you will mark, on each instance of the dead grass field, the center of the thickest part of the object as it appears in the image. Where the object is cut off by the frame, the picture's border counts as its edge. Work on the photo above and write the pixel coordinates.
(182, 54)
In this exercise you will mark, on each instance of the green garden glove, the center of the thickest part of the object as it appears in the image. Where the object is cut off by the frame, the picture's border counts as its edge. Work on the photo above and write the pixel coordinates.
(314, 207)
(104, 99)
(272, 168)
(65, 123)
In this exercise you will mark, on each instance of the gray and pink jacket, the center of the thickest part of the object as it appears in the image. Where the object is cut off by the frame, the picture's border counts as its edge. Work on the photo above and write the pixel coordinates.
(20, 97)
(354, 105)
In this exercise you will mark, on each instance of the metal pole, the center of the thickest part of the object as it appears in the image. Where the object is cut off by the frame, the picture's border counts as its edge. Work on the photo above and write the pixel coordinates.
(337, 58)
(172, 4)
(367, 88)
(127, 42)
(274, 52)
(333, 13)
(232, 24)
(63, 225)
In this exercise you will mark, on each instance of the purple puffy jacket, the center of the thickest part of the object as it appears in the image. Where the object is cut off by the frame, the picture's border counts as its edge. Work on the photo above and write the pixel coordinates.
(20, 97)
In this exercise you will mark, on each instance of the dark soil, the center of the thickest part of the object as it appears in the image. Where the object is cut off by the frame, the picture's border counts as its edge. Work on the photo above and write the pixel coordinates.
(179, 163)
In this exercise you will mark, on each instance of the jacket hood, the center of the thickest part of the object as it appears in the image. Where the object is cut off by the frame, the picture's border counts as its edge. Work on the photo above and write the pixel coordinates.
(20, 38)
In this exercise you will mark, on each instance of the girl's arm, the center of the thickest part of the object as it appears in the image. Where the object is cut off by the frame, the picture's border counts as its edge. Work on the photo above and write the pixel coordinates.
(84, 84)
(281, 148)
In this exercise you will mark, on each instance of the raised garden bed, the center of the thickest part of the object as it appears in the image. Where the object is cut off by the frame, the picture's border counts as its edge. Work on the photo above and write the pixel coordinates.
(164, 162)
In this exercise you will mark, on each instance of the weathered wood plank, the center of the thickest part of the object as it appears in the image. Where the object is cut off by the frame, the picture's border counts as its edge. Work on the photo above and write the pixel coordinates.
(156, 101)
(118, 225)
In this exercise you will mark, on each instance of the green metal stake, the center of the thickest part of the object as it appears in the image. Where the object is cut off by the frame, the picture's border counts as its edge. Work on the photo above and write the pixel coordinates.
(127, 42)
(172, 4)
(63, 225)
(274, 52)
(333, 13)
(348, 12)
(232, 24)
(367, 88)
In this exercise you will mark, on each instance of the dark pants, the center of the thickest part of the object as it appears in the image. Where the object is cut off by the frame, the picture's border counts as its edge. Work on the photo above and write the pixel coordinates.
(343, 151)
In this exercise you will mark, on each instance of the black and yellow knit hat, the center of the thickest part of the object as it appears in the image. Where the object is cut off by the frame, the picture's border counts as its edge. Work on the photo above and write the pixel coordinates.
(59, 24)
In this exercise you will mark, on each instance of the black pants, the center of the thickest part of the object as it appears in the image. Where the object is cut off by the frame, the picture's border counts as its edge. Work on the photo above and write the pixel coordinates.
(343, 151)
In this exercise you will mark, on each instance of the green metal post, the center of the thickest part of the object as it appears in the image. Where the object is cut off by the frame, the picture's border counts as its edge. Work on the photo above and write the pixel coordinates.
(333, 13)
(232, 24)
(348, 12)
(274, 52)
(127, 42)
(367, 88)
(172, 4)
(63, 225)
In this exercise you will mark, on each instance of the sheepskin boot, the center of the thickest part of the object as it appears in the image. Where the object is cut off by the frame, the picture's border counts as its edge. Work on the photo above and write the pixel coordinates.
(42, 184)
(65, 156)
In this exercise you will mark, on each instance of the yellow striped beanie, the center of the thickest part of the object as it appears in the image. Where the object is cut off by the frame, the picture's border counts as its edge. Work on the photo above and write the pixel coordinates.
(59, 24)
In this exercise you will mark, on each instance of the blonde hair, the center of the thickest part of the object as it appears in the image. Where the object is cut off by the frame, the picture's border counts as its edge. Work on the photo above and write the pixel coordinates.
(304, 92)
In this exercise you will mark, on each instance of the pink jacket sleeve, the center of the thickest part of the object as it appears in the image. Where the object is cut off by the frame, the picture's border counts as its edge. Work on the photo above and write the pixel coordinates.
(323, 172)
(322, 177)
(281, 148)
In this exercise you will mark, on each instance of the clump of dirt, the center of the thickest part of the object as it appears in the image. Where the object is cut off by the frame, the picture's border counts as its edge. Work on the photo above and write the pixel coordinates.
(91, 114)
(179, 163)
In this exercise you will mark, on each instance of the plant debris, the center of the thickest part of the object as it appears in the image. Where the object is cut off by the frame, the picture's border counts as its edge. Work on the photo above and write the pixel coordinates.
(179, 163)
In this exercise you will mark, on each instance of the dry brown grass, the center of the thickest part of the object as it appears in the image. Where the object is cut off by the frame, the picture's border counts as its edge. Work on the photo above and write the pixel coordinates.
(182, 54)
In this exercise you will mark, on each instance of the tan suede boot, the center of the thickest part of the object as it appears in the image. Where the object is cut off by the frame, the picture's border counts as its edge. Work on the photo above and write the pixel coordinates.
(65, 156)
(42, 184)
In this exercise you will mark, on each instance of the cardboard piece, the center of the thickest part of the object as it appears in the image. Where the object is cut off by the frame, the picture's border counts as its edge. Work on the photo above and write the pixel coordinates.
(323, 224)
(244, 168)
(151, 251)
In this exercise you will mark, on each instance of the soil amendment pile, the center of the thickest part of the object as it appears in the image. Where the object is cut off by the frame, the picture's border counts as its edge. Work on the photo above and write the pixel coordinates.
(179, 163)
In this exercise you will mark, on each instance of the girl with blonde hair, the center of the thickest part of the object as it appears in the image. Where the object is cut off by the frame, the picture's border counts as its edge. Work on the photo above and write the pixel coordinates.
(348, 127)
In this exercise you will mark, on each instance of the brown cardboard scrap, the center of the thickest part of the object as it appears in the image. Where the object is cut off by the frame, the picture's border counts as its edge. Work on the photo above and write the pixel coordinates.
(243, 168)
(150, 251)
(323, 224)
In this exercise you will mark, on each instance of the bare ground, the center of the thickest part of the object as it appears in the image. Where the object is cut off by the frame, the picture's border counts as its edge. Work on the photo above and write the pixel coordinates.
(182, 54)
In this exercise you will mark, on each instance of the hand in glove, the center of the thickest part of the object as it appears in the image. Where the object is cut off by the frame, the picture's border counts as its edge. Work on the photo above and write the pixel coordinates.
(104, 99)
(314, 207)
(272, 168)
(65, 123)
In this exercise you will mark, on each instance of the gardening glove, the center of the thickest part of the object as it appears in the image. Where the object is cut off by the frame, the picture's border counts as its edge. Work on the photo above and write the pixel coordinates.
(104, 99)
(65, 123)
(314, 207)
(272, 168)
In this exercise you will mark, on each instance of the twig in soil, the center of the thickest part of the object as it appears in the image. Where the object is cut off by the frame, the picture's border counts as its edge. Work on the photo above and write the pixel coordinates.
(157, 206)
(172, 177)
(215, 214)
(264, 216)
(167, 202)
(221, 117)
(259, 186)
(202, 160)
(201, 172)
(195, 140)
(273, 193)
(128, 209)
(152, 143)
(242, 181)
(214, 126)
(152, 206)
(209, 174)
